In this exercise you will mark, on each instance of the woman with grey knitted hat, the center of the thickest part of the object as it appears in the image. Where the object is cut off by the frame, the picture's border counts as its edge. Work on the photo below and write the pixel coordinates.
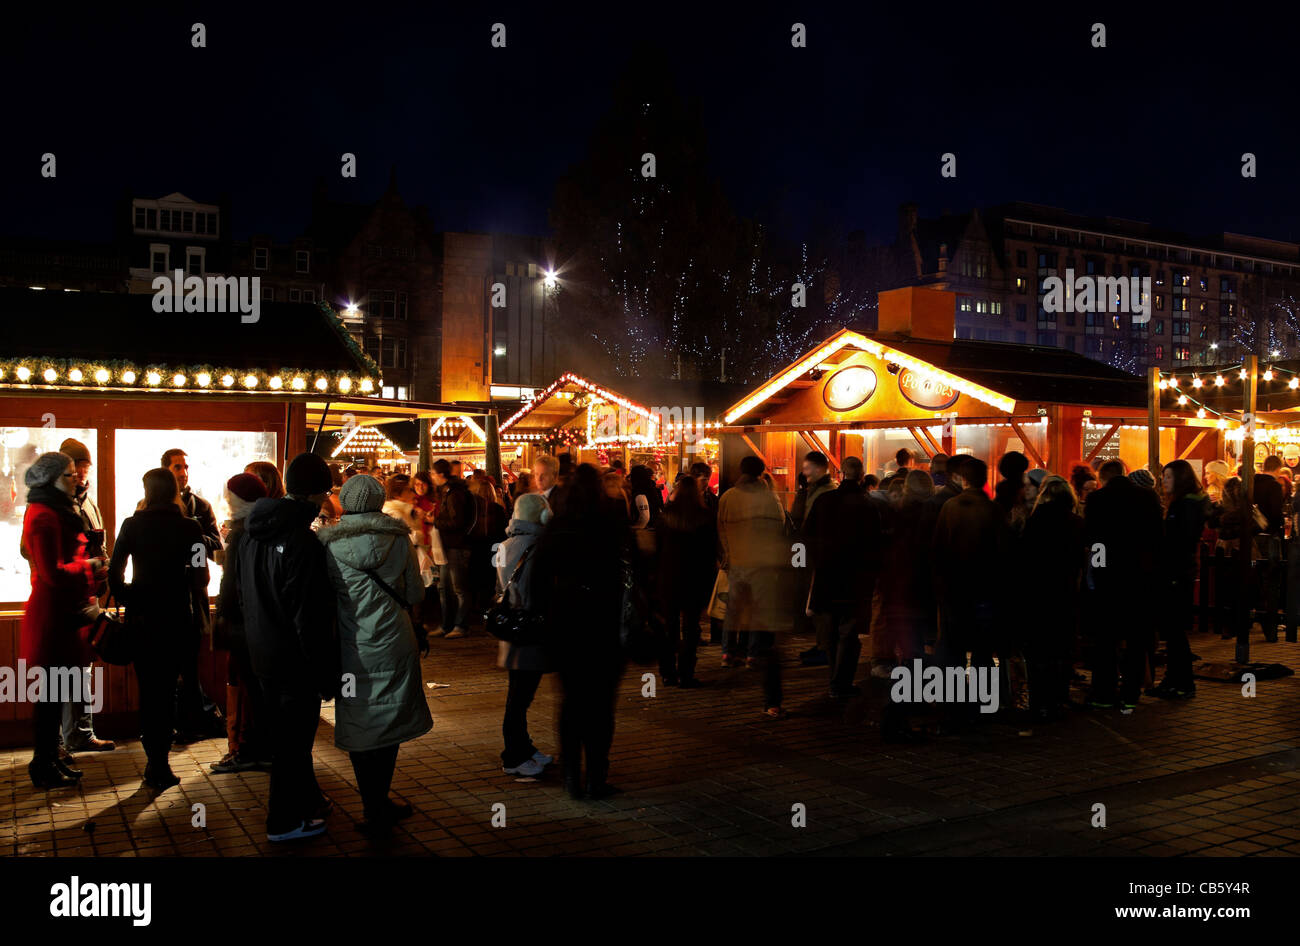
(375, 573)
(63, 583)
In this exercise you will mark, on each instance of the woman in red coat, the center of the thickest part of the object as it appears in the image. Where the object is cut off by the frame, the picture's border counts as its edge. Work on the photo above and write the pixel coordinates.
(63, 585)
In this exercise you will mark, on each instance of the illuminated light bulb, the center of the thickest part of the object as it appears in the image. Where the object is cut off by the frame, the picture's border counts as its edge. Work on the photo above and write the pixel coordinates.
(50, 375)
(1242, 375)
(367, 385)
(276, 382)
(1182, 399)
(203, 378)
(102, 375)
(250, 380)
(1201, 414)
(1293, 383)
(1197, 382)
(1218, 381)
(178, 380)
(299, 383)
(1222, 424)
(75, 375)
(321, 384)
(1173, 383)
(153, 377)
(128, 377)
(1268, 374)
(227, 380)
(24, 373)
(345, 385)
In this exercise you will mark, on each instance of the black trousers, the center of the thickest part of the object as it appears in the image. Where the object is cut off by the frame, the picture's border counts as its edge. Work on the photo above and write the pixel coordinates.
(765, 652)
(374, 771)
(519, 746)
(1179, 615)
(1108, 636)
(590, 682)
(194, 710)
(681, 642)
(293, 714)
(155, 671)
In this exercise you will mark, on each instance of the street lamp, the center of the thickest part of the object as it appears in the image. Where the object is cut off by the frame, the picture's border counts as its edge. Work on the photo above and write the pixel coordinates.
(550, 279)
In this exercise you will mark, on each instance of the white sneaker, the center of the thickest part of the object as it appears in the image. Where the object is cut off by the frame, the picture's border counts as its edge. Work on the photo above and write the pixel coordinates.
(881, 671)
(529, 768)
(541, 758)
(308, 829)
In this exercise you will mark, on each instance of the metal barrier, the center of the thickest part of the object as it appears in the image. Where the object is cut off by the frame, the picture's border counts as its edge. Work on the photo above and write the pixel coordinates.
(1258, 582)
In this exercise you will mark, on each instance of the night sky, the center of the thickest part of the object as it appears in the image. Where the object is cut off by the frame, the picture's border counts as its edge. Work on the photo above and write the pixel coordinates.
(833, 136)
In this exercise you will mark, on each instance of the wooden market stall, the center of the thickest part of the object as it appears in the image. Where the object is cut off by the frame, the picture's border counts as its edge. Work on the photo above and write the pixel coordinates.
(912, 384)
(129, 383)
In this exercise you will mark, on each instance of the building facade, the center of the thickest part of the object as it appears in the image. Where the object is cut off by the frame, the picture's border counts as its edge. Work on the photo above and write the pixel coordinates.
(1212, 299)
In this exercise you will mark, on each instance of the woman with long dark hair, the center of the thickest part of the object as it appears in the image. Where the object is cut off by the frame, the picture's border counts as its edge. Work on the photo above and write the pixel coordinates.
(578, 582)
(1052, 553)
(63, 585)
(166, 600)
(1184, 522)
(687, 538)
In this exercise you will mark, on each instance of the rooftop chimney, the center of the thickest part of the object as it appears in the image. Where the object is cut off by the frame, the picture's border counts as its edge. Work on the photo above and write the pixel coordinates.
(918, 313)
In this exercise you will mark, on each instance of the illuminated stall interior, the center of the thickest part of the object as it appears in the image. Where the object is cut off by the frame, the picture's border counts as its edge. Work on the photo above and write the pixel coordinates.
(130, 383)
(913, 385)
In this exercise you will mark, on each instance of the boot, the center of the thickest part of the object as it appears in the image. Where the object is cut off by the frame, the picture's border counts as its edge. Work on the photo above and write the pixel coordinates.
(66, 769)
(45, 773)
(597, 786)
(159, 776)
(573, 780)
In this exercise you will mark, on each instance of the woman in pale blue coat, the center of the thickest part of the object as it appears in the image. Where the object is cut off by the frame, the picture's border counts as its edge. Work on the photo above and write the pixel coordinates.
(526, 664)
(376, 575)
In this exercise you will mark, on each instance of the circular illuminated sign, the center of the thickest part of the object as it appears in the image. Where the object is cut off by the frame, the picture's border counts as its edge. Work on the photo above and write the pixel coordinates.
(927, 393)
(849, 388)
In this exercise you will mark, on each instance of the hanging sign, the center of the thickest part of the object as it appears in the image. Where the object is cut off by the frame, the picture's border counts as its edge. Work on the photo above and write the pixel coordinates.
(927, 393)
(849, 388)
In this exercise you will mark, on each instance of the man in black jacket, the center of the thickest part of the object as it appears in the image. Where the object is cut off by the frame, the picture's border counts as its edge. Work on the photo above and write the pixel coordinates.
(457, 512)
(1124, 528)
(197, 716)
(844, 539)
(289, 622)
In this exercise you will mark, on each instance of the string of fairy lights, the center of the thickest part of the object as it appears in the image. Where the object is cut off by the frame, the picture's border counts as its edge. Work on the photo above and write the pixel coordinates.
(1221, 378)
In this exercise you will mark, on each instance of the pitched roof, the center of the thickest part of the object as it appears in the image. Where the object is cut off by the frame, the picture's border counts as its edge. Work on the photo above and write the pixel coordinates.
(50, 326)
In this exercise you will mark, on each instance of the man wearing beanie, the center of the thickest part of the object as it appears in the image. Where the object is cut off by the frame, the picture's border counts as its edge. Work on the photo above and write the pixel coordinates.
(289, 606)
(245, 717)
(78, 722)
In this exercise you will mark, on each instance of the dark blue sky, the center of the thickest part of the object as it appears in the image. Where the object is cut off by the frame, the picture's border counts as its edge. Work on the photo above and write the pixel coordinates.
(835, 135)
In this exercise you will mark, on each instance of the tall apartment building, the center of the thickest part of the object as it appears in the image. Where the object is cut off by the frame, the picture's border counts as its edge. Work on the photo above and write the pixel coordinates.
(524, 352)
(1213, 299)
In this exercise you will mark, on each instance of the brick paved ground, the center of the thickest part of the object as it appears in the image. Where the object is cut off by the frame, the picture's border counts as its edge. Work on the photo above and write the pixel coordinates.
(705, 773)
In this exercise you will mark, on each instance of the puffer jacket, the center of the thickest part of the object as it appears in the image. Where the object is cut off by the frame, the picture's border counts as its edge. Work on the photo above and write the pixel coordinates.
(376, 639)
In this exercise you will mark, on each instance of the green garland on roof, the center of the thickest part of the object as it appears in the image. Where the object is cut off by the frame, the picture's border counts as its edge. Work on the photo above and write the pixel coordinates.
(336, 322)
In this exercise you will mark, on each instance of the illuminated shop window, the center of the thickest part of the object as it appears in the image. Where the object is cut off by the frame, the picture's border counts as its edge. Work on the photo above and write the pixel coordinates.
(214, 456)
(19, 447)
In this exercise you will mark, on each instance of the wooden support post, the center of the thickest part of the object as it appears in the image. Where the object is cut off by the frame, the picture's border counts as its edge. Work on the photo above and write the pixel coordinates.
(1029, 447)
(815, 442)
(753, 446)
(1153, 424)
(1249, 391)
(925, 447)
(1187, 451)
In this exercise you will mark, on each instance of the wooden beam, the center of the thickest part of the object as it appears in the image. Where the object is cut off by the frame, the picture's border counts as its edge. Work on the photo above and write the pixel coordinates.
(926, 447)
(1192, 446)
(1106, 439)
(1153, 423)
(753, 446)
(1029, 447)
(815, 442)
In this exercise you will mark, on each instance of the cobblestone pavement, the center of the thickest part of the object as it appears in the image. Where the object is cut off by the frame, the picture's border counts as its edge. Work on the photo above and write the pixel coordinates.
(703, 772)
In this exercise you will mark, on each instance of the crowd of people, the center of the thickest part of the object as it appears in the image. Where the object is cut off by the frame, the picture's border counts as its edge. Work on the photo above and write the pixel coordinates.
(334, 580)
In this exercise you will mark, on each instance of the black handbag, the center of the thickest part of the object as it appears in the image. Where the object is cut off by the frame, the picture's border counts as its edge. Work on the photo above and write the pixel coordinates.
(112, 639)
(634, 617)
(516, 626)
